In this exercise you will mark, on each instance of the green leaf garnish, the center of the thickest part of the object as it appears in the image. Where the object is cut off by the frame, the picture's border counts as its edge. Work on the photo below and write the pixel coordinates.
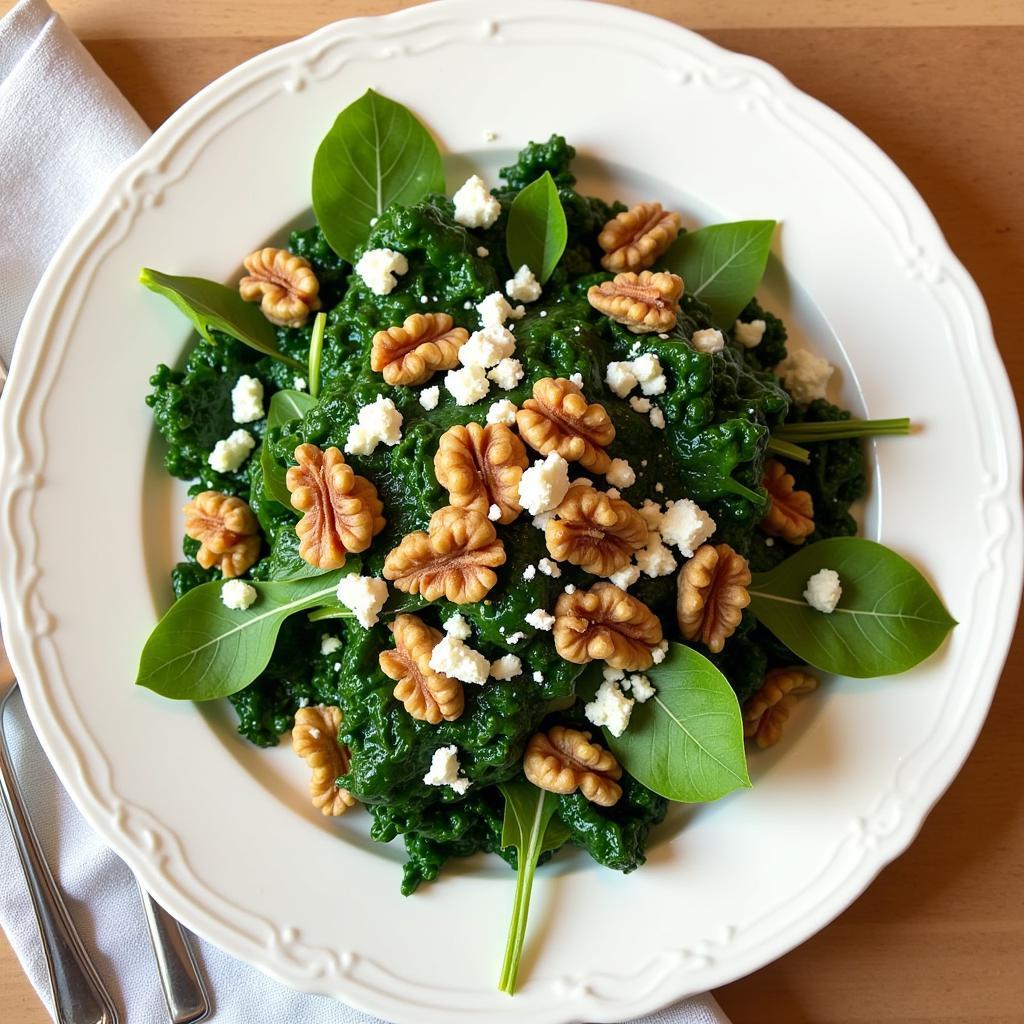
(285, 406)
(722, 264)
(777, 446)
(213, 306)
(375, 154)
(888, 620)
(838, 430)
(201, 650)
(537, 231)
(316, 350)
(685, 742)
(530, 826)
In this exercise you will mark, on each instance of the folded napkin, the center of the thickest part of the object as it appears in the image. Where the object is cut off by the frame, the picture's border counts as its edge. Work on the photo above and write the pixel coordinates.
(64, 127)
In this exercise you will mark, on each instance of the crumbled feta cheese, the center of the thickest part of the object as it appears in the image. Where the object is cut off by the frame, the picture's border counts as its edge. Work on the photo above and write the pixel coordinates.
(329, 644)
(507, 374)
(823, 591)
(640, 405)
(540, 619)
(238, 595)
(507, 667)
(709, 341)
(610, 708)
(379, 421)
(656, 559)
(769, 542)
(429, 397)
(549, 568)
(529, 572)
(660, 652)
(494, 310)
(659, 487)
(657, 419)
(299, 384)
(577, 379)
(625, 577)
(515, 638)
(482, 252)
(749, 335)
(247, 399)
(452, 657)
(686, 526)
(612, 675)
(378, 267)
(524, 287)
(538, 677)
(805, 376)
(542, 487)
(569, 588)
(363, 595)
(456, 626)
(502, 411)
(647, 370)
(487, 346)
(620, 473)
(640, 687)
(620, 378)
(489, 136)
(540, 522)
(494, 513)
(475, 207)
(651, 512)
(467, 385)
(228, 455)
(444, 770)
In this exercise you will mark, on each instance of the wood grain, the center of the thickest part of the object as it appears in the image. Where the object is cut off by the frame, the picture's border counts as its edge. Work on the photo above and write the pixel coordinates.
(939, 936)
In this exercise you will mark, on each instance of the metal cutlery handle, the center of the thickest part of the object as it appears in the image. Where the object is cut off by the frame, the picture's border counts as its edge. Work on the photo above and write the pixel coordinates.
(78, 993)
(187, 1001)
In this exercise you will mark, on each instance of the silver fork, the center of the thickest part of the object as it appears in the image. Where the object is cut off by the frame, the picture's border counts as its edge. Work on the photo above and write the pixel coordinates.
(79, 994)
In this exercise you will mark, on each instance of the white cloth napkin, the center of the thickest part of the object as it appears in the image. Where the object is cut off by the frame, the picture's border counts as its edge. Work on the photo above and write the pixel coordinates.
(64, 127)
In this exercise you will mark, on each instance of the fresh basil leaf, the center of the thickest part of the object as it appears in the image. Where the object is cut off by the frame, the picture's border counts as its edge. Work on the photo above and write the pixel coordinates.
(685, 742)
(722, 264)
(530, 826)
(316, 351)
(888, 620)
(285, 406)
(201, 650)
(375, 154)
(213, 306)
(537, 230)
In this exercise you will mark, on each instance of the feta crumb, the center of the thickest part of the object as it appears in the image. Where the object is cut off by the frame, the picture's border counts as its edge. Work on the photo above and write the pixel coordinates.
(424, 299)
(542, 487)
(626, 577)
(660, 652)
(494, 310)
(569, 588)
(475, 207)
(378, 421)
(363, 595)
(482, 252)
(656, 559)
(444, 770)
(507, 667)
(489, 136)
(610, 708)
(456, 626)
(329, 644)
(749, 335)
(641, 688)
(543, 313)
(620, 378)
(657, 418)
(686, 526)
(709, 341)
(647, 370)
(299, 384)
(515, 638)
(651, 512)
(550, 568)
(487, 346)
(507, 374)
(452, 657)
(805, 376)
(228, 455)
(823, 591)
(429, 397)
(502, 411)
(659, 487)
(620, 474)
(467, 385)
(769, 542)
(238, 595)
(538, 677)
(494, 513)
(612, 675)
(541, 521)
(336, 666)
(247, 399)
(540, 619)
(640, 405)
(378, 269)
(529, 572)
(524, 287)
(577, 379)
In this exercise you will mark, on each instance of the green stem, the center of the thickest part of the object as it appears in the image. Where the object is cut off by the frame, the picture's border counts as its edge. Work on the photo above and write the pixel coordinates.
(836, 430)
(788, 451)
(517, 926)
(316, 348)
(329, 612)
(735, 487)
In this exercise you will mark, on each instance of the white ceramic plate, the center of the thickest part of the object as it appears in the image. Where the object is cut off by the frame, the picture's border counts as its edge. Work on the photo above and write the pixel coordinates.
(222, 833)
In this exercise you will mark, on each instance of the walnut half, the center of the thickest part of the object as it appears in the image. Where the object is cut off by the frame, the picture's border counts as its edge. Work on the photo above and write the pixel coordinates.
(315, 740)
(643, 302)
(563, 760)
(227, 532)
(594, 531)
(635, 238)
(712, 595)
(455, 558)
(791, 512)
(608, 624)
(427, 695)
(410, 354)
(559, 419)
(284, 285)
(766, 712)
(480, 467)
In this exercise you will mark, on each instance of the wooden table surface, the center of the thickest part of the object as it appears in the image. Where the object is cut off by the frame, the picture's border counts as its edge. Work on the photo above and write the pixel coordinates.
(939, 84)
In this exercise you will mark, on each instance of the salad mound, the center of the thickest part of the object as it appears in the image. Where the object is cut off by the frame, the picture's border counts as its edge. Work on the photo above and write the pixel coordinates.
(639, 467)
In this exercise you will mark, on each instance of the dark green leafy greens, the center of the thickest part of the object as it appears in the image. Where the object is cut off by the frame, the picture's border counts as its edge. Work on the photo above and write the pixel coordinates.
(537, 232)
